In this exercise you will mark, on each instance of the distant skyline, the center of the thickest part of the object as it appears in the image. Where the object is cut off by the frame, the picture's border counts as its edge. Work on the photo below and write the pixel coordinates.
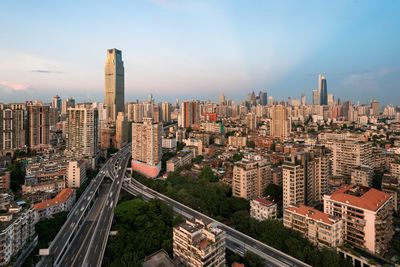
(199, 49)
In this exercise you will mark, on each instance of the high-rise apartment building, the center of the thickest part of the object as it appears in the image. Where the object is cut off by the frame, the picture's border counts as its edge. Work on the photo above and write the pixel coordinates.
(147, 147)
(12, 128)
(316, 95)
(323, 90)
(114, 97)
(38, 125)
(375, 107)
(82, 133)
(367, 215)
(189, 114)
(305, 177)
(121, 130)
(280, 122)
(347, 155)
(251, 175)
(251, 121)
(165, 112)
(197, 244)
(56, 103)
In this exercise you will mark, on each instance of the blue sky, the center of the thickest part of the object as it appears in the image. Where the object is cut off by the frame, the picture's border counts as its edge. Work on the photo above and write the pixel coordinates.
(198, 49)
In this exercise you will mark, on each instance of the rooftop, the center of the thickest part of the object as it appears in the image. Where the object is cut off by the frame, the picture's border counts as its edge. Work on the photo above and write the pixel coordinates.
(360, 196)
(264, 202)
(313, 214)
(60, 198)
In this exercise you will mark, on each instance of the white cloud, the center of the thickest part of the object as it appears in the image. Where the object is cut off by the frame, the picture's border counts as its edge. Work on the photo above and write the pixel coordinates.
(13, 86)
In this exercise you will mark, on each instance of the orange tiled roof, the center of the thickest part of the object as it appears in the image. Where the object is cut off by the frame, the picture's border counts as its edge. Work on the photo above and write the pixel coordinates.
(311, 213)
(372, 199)
(60, 198)
(264, 202)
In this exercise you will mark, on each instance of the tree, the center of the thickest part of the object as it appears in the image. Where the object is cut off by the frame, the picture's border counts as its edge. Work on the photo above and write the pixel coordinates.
(274, 191)
(17, 175)
(237, 157)
(251, 259)
(251, 144)
(208, 175)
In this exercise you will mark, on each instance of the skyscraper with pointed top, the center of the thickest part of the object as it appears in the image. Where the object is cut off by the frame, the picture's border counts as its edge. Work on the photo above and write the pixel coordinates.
(114, 93)
(323, 90)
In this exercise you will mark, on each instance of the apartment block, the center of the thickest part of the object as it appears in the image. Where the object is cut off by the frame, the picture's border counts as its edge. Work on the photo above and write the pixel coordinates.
(251, 175)
(38, 125)
(12, 128)
(4, 180)
(64, 201)
(305, 177)
(347, 155)
(262, 209)
(237, 141)
(146, 147)
(76, 173)
(197, 244)
(367, 216)
(82, 133)
(182, 158)
(17, 230)
(362, 175)
(320, 228)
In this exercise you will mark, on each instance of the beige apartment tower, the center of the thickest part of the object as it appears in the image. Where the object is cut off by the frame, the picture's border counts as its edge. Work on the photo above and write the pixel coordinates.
(114, 95)
(280, 122)
(38, 126)
(147, 147)
(82, 133)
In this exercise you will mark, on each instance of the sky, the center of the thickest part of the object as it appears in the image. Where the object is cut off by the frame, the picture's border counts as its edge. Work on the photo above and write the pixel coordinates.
(199, 49)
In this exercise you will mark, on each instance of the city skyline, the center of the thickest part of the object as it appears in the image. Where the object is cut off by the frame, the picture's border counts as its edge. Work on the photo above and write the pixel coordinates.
(171, 51)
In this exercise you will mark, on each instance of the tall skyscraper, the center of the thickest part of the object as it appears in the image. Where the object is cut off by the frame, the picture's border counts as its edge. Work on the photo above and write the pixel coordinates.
(323, 90)
(263, 98)
(114, 97)
(56, 103)
(303, 101)
(146, 147)
(38, 125)
(166, 112)
(280, 122)
(82, 133)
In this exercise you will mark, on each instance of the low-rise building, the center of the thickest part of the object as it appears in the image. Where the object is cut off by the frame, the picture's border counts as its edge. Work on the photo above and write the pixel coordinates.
(55, 186)
(320, 228)
(64, 201)
(237, 141)
(182, 158)
(4, 180)
(169, 143)
(197, 244)
(196, 143)
(262, 209)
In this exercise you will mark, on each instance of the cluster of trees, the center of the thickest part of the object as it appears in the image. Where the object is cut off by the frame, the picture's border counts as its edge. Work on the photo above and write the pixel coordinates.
(142, 229)
(205, 194)
(17, 175)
